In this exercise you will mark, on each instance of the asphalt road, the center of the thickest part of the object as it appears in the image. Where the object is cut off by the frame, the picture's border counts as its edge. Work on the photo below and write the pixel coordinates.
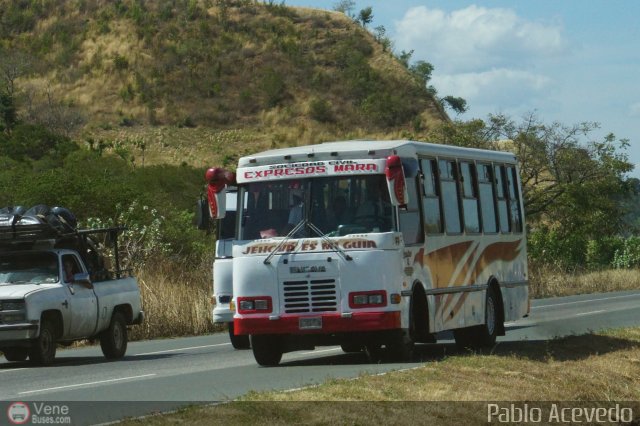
(160, 375)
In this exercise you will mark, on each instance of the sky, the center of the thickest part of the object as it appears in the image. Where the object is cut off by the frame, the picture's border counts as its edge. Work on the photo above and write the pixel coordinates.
(568, 61)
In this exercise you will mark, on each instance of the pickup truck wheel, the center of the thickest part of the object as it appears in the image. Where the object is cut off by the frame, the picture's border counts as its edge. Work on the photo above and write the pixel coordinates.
(16, 354)
(43, 349)
(267, 349)
(113, 340)
(238, 342)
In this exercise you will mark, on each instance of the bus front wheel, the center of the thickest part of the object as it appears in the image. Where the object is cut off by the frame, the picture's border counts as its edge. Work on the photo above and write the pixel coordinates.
(238, 341)
(267, 349)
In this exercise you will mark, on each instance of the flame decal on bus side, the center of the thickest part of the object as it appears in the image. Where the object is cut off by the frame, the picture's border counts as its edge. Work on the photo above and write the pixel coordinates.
(447, 270)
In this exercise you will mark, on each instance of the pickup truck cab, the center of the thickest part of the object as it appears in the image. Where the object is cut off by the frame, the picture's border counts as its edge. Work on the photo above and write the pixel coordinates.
(49, 295)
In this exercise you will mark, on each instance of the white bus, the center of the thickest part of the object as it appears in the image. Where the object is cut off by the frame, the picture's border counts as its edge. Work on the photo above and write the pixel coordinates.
(376, 244)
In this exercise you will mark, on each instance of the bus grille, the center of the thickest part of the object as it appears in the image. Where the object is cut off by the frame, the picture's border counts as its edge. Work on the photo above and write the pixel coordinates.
(310, 296)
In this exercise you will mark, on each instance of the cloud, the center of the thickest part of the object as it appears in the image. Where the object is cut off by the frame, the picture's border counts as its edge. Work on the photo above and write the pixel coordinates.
(476, 38)
(502, 86)
(634, 109)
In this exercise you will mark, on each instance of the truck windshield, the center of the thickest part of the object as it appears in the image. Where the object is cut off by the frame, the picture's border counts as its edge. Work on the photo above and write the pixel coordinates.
(28, 268)
(335, 205)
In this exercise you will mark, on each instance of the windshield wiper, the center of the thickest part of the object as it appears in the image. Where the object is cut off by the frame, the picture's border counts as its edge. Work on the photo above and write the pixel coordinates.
(330, 242)
(295, 229)
(314, 228)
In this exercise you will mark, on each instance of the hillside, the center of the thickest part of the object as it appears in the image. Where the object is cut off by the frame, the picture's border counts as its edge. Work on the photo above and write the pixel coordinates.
(201, 82)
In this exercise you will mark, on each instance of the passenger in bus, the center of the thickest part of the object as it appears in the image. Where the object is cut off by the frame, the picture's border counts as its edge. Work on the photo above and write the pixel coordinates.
(338, 215)
(296, 213)
(375, 210)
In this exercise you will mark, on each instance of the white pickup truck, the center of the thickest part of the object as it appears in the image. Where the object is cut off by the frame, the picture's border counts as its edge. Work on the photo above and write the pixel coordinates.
(54, 289)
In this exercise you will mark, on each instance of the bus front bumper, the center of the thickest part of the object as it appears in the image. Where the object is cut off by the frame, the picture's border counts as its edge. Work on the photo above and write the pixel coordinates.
(328, 323)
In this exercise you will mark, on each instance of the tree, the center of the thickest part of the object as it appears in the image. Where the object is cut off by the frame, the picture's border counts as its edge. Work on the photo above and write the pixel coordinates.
(421, 70)
(379, 33)
(457, 104)
(13, 65)
(8, 116)
(365, 16)
(345, 6)
(404, 57)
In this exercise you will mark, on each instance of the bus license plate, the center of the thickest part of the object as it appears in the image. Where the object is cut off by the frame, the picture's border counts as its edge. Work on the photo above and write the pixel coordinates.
(310, 323)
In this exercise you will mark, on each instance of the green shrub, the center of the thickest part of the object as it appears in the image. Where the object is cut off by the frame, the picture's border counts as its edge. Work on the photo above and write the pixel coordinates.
(600, 252)
(273, 86)
(628, 256)
(120, 62)
(320, 110)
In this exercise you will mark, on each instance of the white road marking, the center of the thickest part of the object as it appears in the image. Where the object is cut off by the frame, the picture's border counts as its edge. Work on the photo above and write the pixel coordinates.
(87, 384)
(182, 349)
(589, 313)
(319, 352)
(585, 301)
(12, 369)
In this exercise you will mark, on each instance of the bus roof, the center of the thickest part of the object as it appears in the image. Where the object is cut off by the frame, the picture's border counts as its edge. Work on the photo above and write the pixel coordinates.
(361, 149)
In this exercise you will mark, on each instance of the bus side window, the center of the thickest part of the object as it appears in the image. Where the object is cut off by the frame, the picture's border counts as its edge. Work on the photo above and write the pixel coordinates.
(469, 198)
(450, 198)
(485, 187)
(501, 197)
(514, 200)
(431, 200)
(410, 220)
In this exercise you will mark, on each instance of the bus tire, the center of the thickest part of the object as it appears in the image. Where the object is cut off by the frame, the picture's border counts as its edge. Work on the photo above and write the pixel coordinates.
(488, 331)
(481, 336)
(267, 349)
(238, 342)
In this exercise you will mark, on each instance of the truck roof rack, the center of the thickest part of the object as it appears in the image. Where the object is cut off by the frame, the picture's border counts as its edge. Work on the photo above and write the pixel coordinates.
(41, 227)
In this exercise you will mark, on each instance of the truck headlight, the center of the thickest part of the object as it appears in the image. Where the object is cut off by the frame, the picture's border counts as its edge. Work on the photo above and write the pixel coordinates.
(12, 305)
(13, 317)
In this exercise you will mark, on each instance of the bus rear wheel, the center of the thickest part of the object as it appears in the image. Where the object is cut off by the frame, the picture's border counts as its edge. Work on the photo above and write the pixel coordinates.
(267, 349)
(481, 336)
(489, 330)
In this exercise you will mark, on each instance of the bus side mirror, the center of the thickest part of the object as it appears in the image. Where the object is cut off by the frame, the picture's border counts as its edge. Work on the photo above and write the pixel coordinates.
(217, 179)
(396, 182)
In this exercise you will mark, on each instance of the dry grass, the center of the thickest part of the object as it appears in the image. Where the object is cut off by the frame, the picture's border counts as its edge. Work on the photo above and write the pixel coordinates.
(550, 282)
(176, 301)
(596, 367)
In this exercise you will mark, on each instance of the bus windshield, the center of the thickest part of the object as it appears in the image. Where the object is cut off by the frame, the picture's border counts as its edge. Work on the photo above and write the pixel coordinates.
(335, 205)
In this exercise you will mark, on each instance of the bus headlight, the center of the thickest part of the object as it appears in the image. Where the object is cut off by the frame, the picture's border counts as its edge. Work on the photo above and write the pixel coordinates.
(368, 299)
(255, 305)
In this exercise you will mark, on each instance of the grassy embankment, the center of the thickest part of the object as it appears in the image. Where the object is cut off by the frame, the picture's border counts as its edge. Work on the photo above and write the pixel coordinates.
(595, 367)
